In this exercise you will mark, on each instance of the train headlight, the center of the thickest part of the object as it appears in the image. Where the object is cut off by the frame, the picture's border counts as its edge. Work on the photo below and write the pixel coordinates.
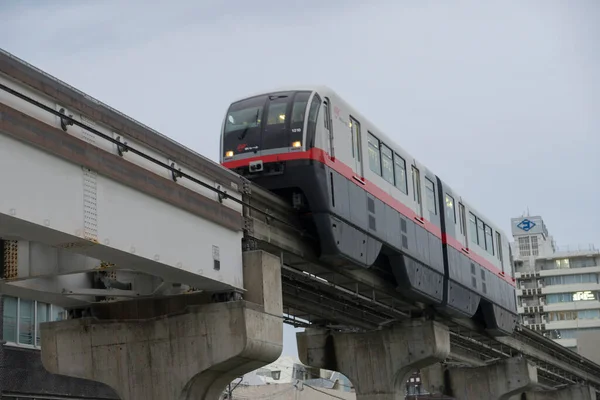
(229, 154)
(297, 144)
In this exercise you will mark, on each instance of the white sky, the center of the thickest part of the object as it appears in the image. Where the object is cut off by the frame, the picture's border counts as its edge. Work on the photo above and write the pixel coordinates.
(500, 98)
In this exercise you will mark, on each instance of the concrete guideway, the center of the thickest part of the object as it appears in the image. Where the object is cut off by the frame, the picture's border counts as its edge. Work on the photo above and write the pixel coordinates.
(509, 379)
(83, 193)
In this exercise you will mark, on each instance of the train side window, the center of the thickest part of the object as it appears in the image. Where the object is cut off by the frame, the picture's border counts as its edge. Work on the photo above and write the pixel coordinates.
(328, 124)
(299, 107)
(387, 164)
(461, 216)
(430, 194)
(499, 247)
(326, 115)
(313, 114)
(416, 178)
(480, 233)
(355, 132)
(473, 227)
(450, 210)
(374, 155)
(400, 170)
(489, 240)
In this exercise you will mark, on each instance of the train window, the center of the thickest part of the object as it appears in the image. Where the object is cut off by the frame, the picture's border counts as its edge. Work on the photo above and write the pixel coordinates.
(450, 210)
(498, 247)
(480, 233)
(314, 109)
(299, 108)
(355, 133)
(326, 114)
(313, 114)
(430, 194)
(473, 227)
(276, 113)
(400, 170)
(416, 178)
(374, 156)
(387, 164)
(461, 216)
(489, 240)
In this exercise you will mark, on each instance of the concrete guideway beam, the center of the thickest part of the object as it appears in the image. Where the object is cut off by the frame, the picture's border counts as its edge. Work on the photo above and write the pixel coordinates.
(546, 356)
(104, 206)
(498, 381)
(576, 392)
(185, 355)
(377, 362)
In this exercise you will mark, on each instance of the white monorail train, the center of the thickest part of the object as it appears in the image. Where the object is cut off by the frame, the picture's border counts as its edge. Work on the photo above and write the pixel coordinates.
(386, 209)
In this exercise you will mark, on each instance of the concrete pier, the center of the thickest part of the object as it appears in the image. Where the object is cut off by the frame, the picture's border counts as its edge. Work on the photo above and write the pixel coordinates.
(499, 381)
(174, 349)
(379, 362)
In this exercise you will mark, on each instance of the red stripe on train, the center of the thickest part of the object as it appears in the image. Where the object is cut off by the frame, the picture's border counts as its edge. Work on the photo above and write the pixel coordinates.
(345, 170)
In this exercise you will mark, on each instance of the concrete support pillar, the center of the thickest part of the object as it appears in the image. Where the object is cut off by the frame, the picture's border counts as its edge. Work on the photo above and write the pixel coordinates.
(575, 392)
(379, 362)
(155, 350)
(498, 381)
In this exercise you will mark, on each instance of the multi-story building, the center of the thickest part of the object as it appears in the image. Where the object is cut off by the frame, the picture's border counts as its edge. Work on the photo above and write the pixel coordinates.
(558, 289)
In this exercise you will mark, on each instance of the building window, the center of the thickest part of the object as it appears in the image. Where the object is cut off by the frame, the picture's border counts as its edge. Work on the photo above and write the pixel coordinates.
(22, 319)
(26, 321)
(534, 246)
(524, 248)
(9, 320)
(582, 262)
(570, 279)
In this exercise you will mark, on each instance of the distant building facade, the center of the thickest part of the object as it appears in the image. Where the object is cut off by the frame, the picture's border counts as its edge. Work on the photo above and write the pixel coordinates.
(558, 289)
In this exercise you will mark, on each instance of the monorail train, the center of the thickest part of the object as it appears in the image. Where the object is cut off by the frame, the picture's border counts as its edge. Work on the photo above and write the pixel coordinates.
(385, 210)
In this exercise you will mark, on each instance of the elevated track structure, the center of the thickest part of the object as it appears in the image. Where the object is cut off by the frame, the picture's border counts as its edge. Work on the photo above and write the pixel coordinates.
(98, 208)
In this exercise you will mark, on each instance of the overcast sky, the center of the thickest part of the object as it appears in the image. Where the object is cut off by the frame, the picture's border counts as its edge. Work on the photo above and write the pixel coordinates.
(499, 98)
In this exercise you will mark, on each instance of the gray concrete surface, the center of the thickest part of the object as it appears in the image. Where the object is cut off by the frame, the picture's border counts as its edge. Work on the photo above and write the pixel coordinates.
(191, 354)
(377, 363)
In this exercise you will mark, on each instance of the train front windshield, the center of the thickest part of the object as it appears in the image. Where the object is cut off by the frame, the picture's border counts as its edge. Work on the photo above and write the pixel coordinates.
(265, 124)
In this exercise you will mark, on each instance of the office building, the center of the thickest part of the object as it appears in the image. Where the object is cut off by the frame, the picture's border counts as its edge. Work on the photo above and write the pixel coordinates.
(557, 287)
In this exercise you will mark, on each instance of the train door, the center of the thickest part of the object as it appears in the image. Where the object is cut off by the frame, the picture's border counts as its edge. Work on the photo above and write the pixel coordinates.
(356, 147)
(416, 179)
